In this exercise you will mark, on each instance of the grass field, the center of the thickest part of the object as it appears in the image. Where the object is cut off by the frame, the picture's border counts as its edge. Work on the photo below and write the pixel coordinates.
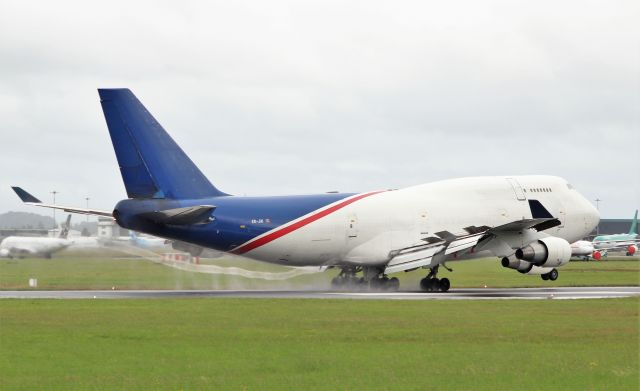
(319, 344)
(88, 271)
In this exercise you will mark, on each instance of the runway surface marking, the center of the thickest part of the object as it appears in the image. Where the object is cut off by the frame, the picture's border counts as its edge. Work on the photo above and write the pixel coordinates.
(456, 294)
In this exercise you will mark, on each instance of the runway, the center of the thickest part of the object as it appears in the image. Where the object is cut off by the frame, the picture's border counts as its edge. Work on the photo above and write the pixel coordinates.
(455, 294)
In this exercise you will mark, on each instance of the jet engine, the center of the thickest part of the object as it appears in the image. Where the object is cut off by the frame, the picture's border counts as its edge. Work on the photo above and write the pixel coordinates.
(632, 249)
(524, 267)
(547, 252)
(517, 264)
(4, 253)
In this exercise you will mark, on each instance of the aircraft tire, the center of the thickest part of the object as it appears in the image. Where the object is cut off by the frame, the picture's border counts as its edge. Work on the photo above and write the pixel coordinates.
(393, 284)
(553, 275)
(445, 284)
(544, 276)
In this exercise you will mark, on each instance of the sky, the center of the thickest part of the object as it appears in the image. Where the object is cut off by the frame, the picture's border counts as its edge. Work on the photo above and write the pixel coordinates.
(298, 97)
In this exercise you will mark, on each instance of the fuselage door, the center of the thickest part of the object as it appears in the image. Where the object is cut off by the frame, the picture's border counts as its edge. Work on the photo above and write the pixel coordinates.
(517, 189)
(352, 226)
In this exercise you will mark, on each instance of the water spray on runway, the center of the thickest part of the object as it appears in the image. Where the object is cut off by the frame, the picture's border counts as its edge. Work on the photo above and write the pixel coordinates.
(221, 270)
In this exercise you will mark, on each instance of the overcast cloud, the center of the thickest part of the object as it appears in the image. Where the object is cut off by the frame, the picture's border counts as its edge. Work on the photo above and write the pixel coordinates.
(285, 97)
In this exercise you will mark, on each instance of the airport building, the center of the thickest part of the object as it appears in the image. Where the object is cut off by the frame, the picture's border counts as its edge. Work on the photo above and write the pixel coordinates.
(108, 229)
(612, 226)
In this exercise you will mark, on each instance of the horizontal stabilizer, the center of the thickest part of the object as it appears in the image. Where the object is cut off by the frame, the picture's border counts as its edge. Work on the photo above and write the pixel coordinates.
(29, 199)
(181, 216)
(25, 196)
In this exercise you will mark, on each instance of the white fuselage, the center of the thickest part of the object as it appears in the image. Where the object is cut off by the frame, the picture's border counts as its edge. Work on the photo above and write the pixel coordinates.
(367, 231)
(582, 248)
(20, 246)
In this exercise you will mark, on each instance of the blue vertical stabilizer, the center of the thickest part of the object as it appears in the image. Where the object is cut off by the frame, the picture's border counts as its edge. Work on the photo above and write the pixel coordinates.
(151, 163)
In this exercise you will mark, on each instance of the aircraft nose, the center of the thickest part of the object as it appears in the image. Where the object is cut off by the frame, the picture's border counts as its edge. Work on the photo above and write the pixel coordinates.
(592, 215)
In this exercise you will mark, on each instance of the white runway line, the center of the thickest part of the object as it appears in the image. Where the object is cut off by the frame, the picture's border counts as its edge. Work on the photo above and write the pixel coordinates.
(462, 294)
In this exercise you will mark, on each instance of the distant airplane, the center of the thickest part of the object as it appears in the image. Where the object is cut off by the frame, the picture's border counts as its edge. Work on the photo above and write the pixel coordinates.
(25, 246)
(528, 221)
(146, 242)
(583, 249)
(626, 242)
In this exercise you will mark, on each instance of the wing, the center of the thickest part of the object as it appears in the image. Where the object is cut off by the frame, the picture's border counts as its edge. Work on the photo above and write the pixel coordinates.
(31, 200)
(497, 239)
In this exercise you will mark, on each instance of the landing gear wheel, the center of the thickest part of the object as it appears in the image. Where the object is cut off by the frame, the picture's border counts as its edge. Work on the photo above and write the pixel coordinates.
(553, 275)
(393, 284)
(445, 284)
(376, 284)
(545, 276)
(434, 285)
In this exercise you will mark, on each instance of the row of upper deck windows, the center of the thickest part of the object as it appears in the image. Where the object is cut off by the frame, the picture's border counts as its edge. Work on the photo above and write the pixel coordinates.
(539, 190)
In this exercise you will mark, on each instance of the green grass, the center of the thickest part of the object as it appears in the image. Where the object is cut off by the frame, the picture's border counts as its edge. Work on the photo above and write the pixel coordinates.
(87, 271)
(319, 344)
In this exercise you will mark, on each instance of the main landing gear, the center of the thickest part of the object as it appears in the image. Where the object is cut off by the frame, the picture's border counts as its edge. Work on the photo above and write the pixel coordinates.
(372, 279)
(552, 275)
(432, 284)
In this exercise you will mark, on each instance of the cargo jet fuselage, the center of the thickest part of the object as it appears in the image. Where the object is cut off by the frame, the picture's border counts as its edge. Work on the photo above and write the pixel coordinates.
(366, 228)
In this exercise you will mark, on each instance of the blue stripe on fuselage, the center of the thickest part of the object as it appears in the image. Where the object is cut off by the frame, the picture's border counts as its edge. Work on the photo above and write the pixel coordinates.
(236, 219)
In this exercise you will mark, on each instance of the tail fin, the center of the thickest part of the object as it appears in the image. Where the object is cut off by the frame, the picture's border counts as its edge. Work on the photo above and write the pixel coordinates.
(151, 163)
(64, 228)
(634, 224)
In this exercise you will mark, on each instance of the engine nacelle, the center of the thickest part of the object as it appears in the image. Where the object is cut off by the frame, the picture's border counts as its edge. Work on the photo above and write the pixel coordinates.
(632, 249)
(524, 267)
(516, 264)
(4, 253)
(547, 252)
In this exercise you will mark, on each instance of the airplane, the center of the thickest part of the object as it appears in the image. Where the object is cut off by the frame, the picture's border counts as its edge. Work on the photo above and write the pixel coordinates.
(583, 249)
(23, 246)
(146, 242)
(526, 221)
(628, 241)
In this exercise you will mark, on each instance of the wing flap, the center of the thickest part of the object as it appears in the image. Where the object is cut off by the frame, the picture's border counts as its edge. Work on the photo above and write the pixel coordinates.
(414, 257)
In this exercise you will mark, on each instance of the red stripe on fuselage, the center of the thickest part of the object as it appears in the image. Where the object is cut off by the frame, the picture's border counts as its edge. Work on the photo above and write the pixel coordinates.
(298, 224)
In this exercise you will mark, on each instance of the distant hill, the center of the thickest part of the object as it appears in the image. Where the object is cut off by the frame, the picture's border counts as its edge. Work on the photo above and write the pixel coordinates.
(25, 220)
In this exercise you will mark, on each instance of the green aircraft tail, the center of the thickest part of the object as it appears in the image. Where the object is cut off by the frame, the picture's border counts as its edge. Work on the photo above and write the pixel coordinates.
(634, 224)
